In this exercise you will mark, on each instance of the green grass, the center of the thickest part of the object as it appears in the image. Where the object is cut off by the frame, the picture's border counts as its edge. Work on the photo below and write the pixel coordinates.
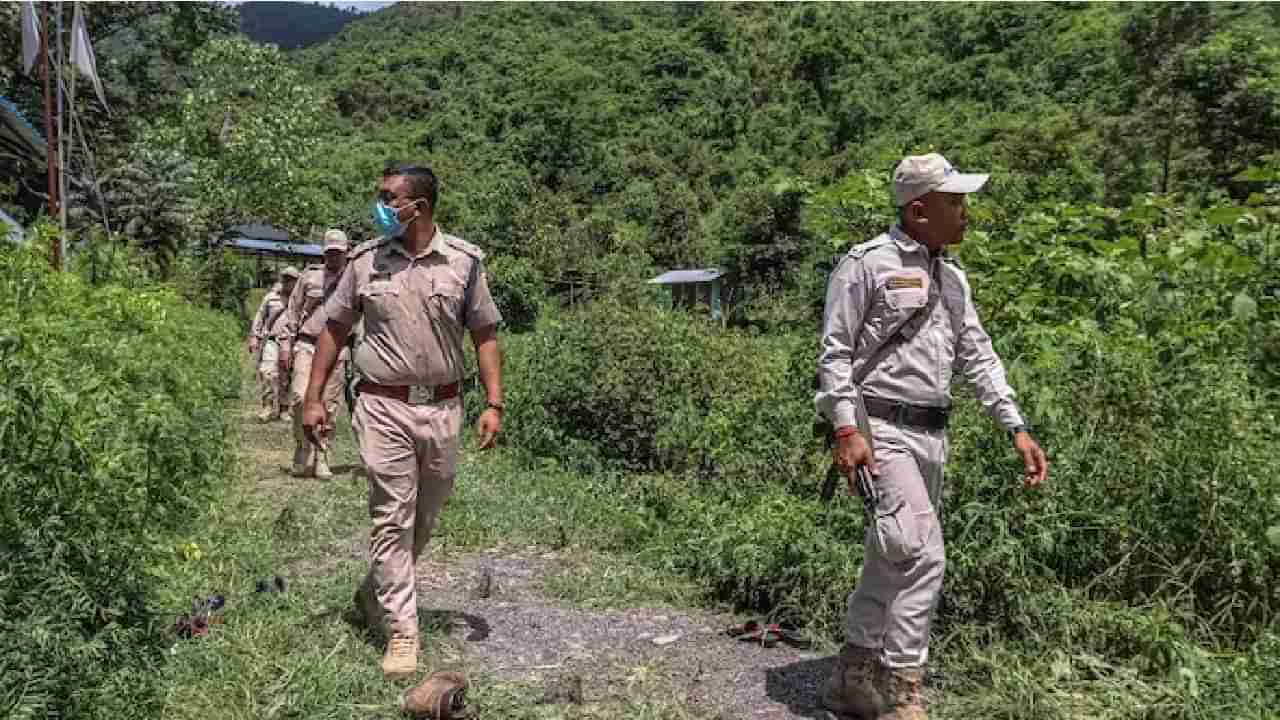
(293, 655)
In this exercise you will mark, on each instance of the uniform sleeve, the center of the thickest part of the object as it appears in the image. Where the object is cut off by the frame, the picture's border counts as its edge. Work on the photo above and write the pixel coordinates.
(343, 305)
(981, 367)
(259, 318)
(478, 308)
(847, 301)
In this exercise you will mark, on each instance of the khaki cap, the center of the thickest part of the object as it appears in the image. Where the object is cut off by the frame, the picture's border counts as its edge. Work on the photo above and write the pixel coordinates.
(919, 175)
(335, 239)
(289, 272)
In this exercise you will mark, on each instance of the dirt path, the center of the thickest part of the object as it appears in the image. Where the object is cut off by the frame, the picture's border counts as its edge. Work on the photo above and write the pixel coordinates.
(520, 638)
(486, 612)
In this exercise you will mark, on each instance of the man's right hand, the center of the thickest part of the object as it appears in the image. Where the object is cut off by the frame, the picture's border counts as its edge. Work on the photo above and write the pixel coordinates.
(850, 452)
(314, 420)
(253, 346)
(285, 361)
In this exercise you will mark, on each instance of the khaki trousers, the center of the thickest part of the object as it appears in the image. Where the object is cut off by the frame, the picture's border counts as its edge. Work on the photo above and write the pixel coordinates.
(303, 353)
(269, 374)
(411, 453)
(891, 608)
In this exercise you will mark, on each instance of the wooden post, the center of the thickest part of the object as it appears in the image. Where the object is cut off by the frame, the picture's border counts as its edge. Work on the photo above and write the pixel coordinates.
(51, 131)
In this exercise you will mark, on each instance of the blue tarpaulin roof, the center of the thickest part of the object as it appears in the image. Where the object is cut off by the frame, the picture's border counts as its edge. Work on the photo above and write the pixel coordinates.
(277, 248)
(17, 136)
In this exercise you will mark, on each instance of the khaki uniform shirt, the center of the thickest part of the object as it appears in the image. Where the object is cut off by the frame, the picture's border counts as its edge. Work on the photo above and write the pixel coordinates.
(415, 309)
(268, 312)
(314, 285)
(878, 284)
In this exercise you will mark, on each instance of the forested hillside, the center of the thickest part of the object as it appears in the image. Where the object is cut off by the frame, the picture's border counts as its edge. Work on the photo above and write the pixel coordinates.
(1125, 259)
(292, 24)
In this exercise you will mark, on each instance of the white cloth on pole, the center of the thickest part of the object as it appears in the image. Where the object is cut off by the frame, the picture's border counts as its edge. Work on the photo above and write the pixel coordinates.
(82, 54)
(30, 36)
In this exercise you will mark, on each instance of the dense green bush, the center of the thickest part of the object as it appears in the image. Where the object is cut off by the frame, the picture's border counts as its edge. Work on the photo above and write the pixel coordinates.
(650, 389)
(112, 434)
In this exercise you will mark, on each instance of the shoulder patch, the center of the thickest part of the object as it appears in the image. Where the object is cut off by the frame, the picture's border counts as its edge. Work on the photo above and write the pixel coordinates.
(464, 246)
(366, 246)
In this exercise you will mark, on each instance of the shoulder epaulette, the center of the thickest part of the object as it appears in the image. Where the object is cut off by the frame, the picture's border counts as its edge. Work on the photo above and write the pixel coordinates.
(953, 261)
(464, 246)
(366, 246)
(861, 249)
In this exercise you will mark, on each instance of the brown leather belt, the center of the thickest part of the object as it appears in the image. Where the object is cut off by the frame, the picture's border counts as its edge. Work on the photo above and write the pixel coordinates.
(419, 394)
(900, 413)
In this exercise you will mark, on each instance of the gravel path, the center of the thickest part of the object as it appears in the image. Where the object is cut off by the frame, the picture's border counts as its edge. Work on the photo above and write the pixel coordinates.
(517, 634)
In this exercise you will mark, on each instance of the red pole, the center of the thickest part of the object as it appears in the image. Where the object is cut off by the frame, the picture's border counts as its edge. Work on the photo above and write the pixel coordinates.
(51, 131)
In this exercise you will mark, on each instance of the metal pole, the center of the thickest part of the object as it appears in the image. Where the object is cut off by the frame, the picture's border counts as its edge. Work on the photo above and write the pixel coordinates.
(51, 131)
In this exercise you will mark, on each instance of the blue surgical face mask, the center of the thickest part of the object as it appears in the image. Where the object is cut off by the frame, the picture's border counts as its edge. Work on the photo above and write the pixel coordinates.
(387, 219)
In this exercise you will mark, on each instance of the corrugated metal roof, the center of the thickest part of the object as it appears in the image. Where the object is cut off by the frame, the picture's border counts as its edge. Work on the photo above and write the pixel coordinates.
(679, 277)
(277, 248)
(260, 231)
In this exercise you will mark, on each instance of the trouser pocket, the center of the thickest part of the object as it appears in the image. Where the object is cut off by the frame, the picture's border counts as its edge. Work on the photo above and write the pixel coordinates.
(901, 530)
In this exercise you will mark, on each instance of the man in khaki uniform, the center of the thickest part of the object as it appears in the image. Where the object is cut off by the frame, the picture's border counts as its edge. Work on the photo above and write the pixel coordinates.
(264, 348)
(417, 290)
(310, 459)
(899, 322)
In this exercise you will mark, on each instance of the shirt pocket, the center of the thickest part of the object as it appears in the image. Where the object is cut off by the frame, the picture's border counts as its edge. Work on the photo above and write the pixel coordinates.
(380, 300)
(445, 300)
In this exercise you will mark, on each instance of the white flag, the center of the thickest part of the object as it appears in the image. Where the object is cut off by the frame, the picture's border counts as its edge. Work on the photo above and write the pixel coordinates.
(30, 37)
(82, 54)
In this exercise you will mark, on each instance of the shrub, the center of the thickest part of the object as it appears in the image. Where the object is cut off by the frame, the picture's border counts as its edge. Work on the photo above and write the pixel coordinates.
(112, 433)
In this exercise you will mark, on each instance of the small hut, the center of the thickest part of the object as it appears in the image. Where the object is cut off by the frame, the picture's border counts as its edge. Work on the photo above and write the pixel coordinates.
(689, 288)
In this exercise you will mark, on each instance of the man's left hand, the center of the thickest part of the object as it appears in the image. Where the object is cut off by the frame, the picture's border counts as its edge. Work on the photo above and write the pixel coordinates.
(488, 427)
(1033, 459)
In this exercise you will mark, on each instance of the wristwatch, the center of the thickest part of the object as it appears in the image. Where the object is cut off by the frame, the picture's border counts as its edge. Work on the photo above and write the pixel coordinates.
(1017, 429)
(496, 406)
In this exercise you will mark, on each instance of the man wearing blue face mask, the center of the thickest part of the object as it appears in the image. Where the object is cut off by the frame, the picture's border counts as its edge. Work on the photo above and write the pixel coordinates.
(418, 291)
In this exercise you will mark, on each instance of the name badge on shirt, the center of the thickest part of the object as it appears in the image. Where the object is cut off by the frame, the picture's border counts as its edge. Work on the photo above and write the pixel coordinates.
(899, 282)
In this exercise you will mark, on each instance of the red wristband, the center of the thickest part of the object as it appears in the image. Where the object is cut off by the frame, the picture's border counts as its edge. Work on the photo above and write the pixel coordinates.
(846, 431)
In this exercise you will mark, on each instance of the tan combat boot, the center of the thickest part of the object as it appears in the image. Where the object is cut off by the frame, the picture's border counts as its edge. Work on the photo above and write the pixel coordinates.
(850, 692)
(322, 471)
(400, 661)
(901, 690)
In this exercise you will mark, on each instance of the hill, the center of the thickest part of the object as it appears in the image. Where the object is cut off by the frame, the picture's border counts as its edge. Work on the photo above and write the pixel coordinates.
(292, 24)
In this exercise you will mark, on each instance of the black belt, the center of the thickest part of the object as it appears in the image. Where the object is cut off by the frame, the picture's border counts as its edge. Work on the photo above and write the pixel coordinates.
(900, 413)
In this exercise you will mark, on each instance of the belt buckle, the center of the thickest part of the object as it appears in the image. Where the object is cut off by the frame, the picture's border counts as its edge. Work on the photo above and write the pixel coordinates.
(422, 394)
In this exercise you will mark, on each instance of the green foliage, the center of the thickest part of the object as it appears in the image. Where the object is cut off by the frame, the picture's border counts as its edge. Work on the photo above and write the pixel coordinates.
(111, 436)
(150, 199)
(249, 123)
(657, 390)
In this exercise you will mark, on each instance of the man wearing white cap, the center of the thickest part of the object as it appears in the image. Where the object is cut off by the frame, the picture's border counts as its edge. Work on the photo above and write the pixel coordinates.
(297, 337)
(899, 322)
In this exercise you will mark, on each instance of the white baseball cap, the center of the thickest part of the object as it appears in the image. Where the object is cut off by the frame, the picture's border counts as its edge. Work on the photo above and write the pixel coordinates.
(919, 175)
(335, 239)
